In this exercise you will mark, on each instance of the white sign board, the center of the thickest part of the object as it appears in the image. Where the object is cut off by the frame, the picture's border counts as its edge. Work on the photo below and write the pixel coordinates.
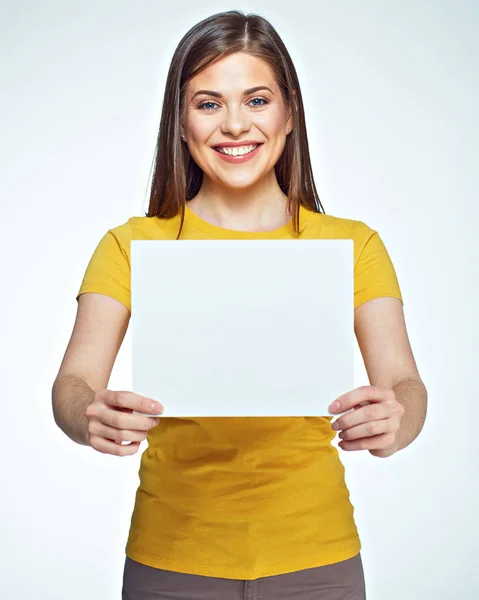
(224, 328)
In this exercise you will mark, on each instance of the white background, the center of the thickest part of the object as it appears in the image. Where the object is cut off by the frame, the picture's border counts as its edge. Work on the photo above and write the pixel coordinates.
(390, 90)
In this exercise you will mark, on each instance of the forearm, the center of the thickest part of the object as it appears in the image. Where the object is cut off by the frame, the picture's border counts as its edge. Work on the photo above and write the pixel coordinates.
(70, 397)
(412, 394)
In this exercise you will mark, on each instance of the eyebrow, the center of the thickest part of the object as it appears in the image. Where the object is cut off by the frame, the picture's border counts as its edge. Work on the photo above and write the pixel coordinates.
(246, 92)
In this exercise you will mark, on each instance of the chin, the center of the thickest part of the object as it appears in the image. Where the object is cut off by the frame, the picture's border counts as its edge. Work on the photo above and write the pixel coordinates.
(238, 180)
(239, 185)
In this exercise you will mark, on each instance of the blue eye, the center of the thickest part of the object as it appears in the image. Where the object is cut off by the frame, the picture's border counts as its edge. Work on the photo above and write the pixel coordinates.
(262, 100)
(202, 106)
(204, 103)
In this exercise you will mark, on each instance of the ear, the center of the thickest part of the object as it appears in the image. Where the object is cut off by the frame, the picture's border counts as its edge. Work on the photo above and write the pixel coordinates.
(290, 122)
(293, 92)
(182, 127)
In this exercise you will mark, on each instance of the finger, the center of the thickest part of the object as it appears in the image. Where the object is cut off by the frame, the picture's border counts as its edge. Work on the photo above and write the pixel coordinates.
(376, 442)
(126, 420)
(130, 400)
(365, 393)
(363, 414)
(361, 404)
(108, 447)
(369, 429)
(117, 435)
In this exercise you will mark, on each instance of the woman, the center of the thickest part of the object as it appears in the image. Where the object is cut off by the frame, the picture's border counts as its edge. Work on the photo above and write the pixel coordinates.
(236, 507)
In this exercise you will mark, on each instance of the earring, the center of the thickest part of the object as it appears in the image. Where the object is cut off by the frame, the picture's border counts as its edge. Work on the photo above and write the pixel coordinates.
(183, 137)
(289, 130)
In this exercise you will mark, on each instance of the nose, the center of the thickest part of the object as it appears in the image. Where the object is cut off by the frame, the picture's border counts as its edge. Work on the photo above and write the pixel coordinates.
(235, 121)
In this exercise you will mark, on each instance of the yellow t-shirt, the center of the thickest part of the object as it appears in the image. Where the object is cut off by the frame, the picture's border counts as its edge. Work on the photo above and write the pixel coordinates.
(236, 497)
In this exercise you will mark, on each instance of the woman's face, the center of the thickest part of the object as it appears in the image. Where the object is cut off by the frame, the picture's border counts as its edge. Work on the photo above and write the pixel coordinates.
(217, 110)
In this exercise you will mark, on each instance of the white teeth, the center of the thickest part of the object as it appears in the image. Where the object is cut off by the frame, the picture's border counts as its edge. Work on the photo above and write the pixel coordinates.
(237, 151)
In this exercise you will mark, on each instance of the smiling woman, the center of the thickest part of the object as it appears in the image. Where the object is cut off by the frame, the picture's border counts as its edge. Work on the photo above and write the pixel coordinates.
(232, 84)
(231, 505)
(241, 127)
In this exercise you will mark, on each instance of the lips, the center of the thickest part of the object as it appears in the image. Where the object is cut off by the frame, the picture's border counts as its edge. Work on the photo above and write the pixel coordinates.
(219, 148)
(238, 158)
(237, 144)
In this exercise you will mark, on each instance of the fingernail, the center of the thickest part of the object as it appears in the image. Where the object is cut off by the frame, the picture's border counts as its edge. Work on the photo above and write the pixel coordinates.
(335, 425)
(334, 406)
(156, 407)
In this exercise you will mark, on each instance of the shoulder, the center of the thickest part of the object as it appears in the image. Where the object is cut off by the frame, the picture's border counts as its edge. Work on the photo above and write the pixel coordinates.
(340, 226)
(144, 228)
(326, 226)
(147, 228)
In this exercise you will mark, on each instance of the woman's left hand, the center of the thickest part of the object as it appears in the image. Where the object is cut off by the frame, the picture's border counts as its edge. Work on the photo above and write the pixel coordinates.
(373, 424)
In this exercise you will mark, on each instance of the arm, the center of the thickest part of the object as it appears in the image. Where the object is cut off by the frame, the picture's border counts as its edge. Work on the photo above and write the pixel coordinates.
(382, 336)
(412, 394)
(70, 397)
(99, 329)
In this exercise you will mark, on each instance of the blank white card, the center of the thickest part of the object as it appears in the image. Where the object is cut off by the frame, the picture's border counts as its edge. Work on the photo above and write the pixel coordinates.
(251, 328)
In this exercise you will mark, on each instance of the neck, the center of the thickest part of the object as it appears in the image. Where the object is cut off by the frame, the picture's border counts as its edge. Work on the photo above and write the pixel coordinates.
(259, 208)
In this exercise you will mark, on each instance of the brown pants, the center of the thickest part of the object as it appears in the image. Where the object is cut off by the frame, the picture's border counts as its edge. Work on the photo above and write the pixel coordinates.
(339, 581)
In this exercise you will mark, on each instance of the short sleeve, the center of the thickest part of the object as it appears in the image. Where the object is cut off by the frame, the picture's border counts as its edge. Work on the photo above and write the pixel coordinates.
(374, 272)
(108, 271)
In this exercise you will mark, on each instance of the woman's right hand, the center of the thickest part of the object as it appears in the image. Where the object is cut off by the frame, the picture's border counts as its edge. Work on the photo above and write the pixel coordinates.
(111, 421)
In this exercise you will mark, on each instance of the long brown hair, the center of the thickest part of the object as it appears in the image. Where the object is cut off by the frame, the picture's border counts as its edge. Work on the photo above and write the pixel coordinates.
(176, 177)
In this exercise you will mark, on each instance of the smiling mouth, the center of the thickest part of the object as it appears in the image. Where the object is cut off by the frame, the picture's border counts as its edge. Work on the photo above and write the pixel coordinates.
(238, 151)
